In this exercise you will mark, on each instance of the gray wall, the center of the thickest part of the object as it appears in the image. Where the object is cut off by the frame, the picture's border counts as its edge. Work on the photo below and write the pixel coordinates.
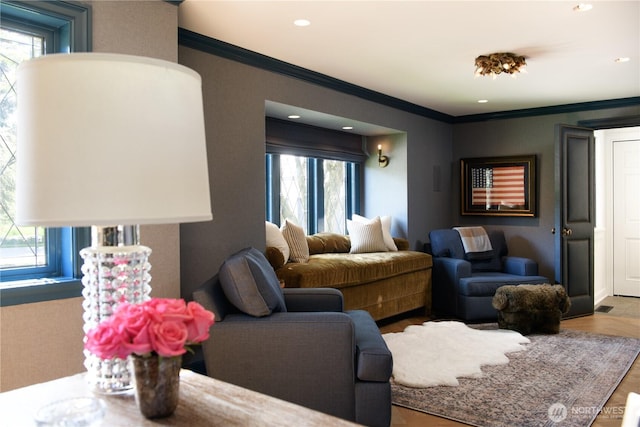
(528, 237)
(234, 98)
(385, 189)
(420, 187)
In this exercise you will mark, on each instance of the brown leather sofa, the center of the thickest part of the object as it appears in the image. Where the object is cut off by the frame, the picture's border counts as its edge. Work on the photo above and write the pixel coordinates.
(383, 283)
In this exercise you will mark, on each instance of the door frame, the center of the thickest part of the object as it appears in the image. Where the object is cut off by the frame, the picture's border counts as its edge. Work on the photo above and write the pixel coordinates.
(606, 124)
(609, 139)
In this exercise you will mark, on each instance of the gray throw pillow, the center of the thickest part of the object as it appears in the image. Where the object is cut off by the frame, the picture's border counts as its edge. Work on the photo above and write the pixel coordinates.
(250, 284)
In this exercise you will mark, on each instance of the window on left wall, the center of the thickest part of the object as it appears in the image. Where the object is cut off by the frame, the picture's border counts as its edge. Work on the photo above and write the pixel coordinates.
(36, 264)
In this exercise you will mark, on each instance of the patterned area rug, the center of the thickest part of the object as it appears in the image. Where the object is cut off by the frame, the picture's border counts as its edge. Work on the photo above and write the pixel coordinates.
(565, 378)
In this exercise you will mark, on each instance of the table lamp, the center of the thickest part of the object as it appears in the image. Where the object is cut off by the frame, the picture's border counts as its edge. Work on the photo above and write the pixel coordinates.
(110, 141)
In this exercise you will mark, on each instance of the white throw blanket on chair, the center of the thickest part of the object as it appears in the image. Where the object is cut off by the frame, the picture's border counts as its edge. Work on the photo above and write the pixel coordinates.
(474, 239)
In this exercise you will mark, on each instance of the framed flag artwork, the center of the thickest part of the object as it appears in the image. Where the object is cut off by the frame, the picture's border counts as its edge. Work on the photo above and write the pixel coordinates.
(499, 186)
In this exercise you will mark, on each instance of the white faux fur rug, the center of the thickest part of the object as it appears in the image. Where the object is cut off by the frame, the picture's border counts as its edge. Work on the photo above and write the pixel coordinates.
(437, 353)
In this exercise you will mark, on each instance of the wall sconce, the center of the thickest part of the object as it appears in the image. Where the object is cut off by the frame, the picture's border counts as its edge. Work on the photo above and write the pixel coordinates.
(383, 161)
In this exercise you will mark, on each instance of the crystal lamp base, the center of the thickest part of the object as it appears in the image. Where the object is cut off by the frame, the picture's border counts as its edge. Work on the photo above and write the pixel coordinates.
(113, 274)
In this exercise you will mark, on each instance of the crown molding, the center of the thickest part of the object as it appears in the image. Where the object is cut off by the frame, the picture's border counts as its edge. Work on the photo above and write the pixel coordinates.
(610, 123)
(554, 109)
(235, 53)
(226, 50)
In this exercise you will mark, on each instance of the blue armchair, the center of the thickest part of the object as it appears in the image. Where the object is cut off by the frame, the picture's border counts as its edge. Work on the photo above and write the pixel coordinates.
(307, 351)
(465, 288)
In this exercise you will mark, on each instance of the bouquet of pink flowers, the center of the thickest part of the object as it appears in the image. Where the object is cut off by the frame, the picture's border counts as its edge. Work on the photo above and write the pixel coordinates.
(161, 325)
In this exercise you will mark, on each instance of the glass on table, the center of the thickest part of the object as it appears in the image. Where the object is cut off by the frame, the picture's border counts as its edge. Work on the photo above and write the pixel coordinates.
(75, 412)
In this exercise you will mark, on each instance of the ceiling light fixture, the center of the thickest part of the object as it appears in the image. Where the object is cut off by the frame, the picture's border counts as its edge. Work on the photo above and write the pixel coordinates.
(347, 127)
(293, 116)
(482, 101)
(622, 59)
(582, 7)
(301, 22)
(501, 62)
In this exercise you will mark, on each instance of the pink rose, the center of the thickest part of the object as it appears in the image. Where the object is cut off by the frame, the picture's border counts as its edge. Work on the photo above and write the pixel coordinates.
(107, 341)
(160, 325)
(168, 338)
(165, 309)
(134, 320)
(199, 324)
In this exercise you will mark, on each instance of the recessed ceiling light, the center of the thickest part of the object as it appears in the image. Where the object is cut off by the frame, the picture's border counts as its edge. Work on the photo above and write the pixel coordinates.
(301, 22)
(622, 59)
(482, 101)
(347, 127)
(582, 7)
(294, 116)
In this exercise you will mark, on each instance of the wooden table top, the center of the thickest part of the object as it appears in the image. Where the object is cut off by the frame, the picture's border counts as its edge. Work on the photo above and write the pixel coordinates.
(204, 401)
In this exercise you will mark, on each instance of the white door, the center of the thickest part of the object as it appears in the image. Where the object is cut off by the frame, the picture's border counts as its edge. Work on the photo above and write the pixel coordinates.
(626, 213)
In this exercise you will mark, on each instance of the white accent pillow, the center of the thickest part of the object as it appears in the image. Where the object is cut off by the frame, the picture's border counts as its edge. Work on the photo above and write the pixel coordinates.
(366, 236)
(386, 229)
(297, 241)
(276, 239)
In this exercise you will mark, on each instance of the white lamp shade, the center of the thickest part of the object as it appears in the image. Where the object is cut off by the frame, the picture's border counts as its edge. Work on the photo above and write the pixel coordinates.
(107, 139)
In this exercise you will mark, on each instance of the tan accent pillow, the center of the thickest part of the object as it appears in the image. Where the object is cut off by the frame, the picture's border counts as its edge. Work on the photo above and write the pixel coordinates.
(276, 239)
(297, 241)
(386, 229)
(366, 237)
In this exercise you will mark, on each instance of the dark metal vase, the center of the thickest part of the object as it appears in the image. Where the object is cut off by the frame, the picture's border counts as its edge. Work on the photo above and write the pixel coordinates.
(156, 384)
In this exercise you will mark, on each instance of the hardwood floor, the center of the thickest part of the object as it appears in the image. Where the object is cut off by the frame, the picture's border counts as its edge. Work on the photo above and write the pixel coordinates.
(597, 323)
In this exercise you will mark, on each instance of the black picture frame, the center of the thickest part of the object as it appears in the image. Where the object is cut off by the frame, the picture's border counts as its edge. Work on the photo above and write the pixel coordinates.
(498, 186)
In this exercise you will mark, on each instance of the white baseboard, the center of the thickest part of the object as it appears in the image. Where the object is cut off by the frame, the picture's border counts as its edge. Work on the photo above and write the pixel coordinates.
(599, 297)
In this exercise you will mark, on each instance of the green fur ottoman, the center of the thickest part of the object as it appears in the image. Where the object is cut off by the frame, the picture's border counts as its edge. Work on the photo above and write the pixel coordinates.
(531, 308)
